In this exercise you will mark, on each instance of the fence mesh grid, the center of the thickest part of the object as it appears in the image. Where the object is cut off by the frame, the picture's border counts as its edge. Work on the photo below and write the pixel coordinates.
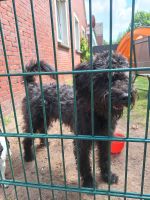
(62, 136)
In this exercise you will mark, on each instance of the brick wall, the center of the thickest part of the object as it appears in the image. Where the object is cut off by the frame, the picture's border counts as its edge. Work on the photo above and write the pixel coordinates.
(44, 38)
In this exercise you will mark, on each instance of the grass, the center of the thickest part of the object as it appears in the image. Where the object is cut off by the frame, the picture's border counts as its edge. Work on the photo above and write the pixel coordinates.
(69, 81)
(138, 114)
(8, 119)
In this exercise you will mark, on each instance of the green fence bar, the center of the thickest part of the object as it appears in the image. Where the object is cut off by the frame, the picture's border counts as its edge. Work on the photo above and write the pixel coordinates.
(78, 137)
(109, 89)
(146, 136)
(92, 95)
(58, 94)
(74, 91)
(129, 97)
(112, 193)
(78, 72)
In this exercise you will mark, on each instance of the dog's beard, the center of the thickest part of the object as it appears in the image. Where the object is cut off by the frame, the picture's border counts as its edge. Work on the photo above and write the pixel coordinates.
(118, 107)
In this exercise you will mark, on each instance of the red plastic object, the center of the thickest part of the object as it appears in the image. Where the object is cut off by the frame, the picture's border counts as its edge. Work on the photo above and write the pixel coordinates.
(117, 146)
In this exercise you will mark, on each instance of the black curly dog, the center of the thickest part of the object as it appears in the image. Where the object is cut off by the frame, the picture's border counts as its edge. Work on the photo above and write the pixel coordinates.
(119, 100)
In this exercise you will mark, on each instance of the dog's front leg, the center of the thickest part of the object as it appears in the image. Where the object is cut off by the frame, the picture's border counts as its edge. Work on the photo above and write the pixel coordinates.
(82, 150)
(28, 149)
(109, 177)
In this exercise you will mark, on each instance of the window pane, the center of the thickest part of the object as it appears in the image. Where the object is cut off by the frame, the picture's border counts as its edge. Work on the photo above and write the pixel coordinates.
(59, 20)
(62, 22)
(77, 35)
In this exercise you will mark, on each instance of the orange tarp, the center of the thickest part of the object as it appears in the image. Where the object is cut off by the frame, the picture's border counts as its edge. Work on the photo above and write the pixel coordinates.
(124, 45)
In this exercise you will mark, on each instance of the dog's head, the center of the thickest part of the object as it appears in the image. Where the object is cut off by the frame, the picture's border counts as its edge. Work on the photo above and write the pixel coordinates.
(115, 85)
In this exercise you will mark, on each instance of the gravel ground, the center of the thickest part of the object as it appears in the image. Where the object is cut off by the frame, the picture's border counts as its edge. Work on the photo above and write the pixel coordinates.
(135, 160)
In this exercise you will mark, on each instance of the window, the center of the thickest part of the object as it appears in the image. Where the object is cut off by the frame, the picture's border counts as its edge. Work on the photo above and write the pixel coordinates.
(77, 33)
(62, 22)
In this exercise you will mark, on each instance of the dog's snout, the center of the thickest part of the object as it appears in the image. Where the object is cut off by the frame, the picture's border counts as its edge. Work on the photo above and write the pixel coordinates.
(124, 97)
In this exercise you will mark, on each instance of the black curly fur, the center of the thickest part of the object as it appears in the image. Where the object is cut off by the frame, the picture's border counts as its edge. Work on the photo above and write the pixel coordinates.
(41, 66)
(119, 100)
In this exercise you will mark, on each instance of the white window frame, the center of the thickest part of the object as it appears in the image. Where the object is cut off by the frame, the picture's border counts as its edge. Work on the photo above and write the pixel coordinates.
(83, 32)
(94, 42)
(76, 19)
(67, 31)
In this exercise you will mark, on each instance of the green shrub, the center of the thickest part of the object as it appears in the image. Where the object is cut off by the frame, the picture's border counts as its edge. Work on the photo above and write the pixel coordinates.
(85, 52)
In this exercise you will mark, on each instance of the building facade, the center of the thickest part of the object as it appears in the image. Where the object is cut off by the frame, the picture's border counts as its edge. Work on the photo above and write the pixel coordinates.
(44, 49)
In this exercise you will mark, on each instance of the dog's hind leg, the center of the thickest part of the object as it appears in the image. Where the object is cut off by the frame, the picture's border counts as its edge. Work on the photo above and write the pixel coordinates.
(28, 145)
(43, 130)
(28, 149)
(28, 142)
(81, 151)
(103, 150)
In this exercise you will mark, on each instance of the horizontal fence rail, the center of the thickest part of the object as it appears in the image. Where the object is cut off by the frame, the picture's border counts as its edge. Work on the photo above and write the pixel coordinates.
(78, 137)
(82, 190)
(77, 72)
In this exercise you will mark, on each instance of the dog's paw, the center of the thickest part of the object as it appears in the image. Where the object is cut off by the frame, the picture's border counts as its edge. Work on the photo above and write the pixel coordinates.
(89, 184)
(28, 158)
(113, 178)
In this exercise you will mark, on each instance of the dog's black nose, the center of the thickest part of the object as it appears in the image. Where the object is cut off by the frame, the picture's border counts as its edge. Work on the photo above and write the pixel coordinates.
(124, 97)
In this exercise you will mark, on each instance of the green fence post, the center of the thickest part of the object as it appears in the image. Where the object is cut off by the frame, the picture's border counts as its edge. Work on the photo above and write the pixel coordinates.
(109, 99)
(92, 94)
(146, 136)
(129, 97)
(58, 95)
(74, 93)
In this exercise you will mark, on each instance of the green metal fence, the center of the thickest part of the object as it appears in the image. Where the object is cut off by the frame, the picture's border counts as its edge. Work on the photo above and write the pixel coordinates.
(67, 188)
